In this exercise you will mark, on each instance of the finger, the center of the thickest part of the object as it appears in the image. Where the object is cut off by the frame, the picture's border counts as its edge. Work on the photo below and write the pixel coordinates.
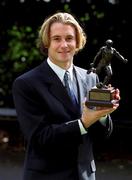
(109, 86)
(117, 94)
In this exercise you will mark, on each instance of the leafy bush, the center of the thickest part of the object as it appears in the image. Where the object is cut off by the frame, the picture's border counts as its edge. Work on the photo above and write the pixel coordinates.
(19, 55)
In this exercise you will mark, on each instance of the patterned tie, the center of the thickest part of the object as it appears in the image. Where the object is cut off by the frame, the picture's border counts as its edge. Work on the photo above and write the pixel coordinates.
(69, 90)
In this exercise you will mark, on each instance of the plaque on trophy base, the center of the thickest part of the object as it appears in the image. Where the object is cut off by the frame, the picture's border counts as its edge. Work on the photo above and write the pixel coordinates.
(101, 97)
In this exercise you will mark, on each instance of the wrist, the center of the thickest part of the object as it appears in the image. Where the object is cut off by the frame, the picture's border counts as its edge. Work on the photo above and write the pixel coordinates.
(83, 124)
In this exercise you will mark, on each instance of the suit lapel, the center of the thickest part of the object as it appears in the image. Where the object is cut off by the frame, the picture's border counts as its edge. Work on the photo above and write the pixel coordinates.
(56, 88)
(82, 86)
(60, 93)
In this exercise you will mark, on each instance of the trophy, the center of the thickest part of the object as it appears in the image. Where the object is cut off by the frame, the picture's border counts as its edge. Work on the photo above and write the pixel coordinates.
(103, 95)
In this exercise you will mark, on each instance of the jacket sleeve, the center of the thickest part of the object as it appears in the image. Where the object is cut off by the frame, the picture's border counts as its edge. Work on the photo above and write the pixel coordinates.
(99, 131)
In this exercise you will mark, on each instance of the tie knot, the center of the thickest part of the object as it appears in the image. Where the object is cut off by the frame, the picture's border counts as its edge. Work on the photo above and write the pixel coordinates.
(66, 76)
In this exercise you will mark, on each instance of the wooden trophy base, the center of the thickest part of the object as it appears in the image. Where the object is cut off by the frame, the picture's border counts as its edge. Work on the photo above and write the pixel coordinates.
(101, 97)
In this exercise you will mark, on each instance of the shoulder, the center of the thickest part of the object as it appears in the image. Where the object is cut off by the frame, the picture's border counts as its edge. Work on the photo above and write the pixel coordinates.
(103, 48)
(83, 72)
(29, 78)
(32, 73)
(88, 77)
(80, 70)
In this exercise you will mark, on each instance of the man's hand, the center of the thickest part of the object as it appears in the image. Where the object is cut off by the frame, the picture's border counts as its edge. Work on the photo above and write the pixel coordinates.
(90, 116)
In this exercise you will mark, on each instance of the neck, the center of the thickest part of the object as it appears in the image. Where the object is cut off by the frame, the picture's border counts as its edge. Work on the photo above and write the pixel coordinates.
(64, 65)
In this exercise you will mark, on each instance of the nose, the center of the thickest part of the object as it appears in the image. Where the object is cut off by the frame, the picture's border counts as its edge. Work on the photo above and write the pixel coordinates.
(63, 43)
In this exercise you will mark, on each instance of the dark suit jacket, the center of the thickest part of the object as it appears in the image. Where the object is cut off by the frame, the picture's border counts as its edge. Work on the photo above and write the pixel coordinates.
(50, 126)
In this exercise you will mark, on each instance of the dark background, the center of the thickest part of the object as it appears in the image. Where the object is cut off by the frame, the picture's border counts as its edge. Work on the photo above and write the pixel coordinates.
(101, 20)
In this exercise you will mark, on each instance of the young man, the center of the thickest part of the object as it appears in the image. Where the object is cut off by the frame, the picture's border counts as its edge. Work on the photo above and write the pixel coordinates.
(59, 131)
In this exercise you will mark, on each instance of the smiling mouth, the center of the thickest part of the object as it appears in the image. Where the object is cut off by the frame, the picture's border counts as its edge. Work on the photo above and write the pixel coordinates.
(66, 52)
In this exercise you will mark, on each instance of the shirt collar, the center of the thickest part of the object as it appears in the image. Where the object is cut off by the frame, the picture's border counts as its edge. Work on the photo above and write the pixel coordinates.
(59, 71)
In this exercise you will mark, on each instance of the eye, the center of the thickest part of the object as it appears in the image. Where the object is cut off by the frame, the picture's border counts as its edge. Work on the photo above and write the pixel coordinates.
(56, 38)
(69, 38)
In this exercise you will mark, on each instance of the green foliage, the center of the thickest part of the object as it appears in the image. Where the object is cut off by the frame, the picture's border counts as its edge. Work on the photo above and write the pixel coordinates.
(19, 55)
(22, 49)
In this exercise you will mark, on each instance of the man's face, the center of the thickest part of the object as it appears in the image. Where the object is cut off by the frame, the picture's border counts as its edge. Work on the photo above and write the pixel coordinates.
(62, 44)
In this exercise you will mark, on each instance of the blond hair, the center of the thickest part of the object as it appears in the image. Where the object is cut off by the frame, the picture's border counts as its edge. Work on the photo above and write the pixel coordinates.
(65, 18)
